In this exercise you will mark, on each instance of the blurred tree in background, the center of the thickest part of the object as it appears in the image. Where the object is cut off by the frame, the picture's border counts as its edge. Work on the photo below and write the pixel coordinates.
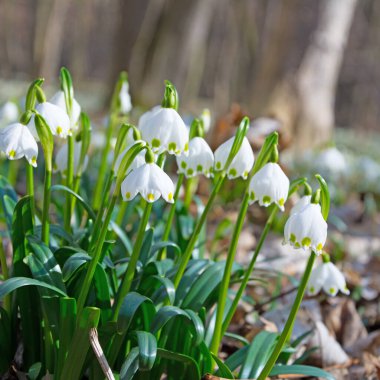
(281, 58)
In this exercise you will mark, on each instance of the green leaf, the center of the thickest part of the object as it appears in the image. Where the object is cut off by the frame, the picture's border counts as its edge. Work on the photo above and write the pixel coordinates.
(191, 370)
(130, 365)
(147, 345)
(7, 341)
(296, 369)
(34, 371)
(15, 283)
(198, 326)
(80, 343)
(258, 354)
(85, 205)
(164, 315)
(236, 359)
(162, 245)
(147, 244)
(9, 205)
(325, 196)
(164, 290)
(223, 370)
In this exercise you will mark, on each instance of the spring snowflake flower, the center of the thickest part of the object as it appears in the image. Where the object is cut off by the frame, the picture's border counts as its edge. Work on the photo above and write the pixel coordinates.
(150, 181)
(58, 99)
(328, 277)
(304, 201)
(199, 161)
(206, 119)
(125, 99)
(307, 229)
(16, 141)
(136, 163)
(242, 163)
(55, 117)
(164, 130)
(269, 185)
(61, 158)
(9, 112)
(332, 162)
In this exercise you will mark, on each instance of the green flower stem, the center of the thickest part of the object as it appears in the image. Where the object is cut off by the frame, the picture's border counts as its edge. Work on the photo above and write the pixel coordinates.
(129, 274)
(45, 209)
(30, 186)
(13, 169)
(290, 321)
(223, 292)
(103, 165)
(5, 272)
(169, 222)
(248, 272)
(96, 256)
(69, 181)
(189, 249)
(191, 185)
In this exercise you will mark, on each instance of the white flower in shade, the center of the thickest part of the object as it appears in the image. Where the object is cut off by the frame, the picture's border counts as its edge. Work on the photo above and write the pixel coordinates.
(55, 117)
(16, 141)
(269, 185)
(304, 201)
(331, 162)
(328, 277)
(164, 130)
(9, 112)
(150, 181)
(206, 119)
(307, 229)
(61, 158)
(242, 163)
(199, 161)
(125, 99)
(137, 162)
(58, 99)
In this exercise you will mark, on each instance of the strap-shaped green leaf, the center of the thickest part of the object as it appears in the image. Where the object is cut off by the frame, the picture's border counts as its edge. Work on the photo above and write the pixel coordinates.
(147, 345)
(296, 369)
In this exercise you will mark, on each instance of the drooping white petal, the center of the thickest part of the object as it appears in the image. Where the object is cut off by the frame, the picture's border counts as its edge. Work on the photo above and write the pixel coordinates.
(269, 185)
(328, 277)
(16, 141)
(304, 201)
(242, 163)
(150, 181)
(307, 229)
(164, 130)
(61, 158)
(55, 117)
(58, 99)
(125, 99)
(199, 161)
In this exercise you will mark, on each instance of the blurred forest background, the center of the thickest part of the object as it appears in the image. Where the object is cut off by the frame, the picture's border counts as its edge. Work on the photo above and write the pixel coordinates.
(313, 63)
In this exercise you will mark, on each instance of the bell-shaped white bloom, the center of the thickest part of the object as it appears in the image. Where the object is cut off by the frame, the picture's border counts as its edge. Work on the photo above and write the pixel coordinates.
(164, 130)
(304, 201)
(199, 161)
(242, 163)
(328, 277)
(137, 162)
(61, 158)
(269, 185)
(55, 117)
(206, 119)
(331, 162)
(307, 229)
(58, 99)
(150, 181)
(125, 98)
(9, 112)
(16, 141)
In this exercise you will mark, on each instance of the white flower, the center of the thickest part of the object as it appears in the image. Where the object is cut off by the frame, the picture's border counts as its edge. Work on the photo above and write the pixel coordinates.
(150, 181)
(55, 117)
(137, 162)
(199, 161)
(331, 162)
(58, 99)
(61, 158)
(163, 129)
(125, 99)
(16, 141)
(9, 112)
(328, 277)
(304, 201)
(206, 119)
(269, 185)
(242, 163)
(307, 229)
